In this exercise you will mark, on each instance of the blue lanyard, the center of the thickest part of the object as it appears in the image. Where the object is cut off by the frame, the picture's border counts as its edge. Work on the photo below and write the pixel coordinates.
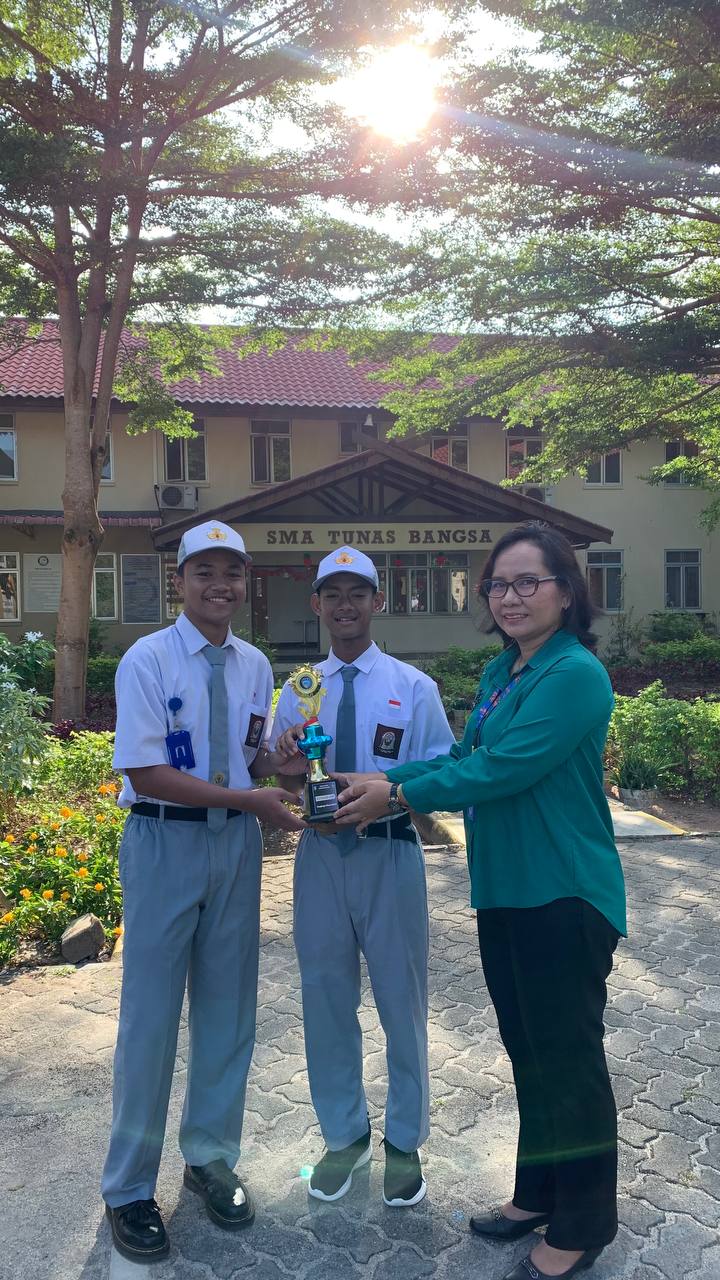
(484, 709)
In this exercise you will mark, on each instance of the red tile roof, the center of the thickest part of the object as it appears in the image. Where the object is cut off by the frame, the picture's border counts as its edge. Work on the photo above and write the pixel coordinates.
(311, 379)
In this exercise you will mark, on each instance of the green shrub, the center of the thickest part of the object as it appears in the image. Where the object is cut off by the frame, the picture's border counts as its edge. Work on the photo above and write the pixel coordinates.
(680, 740)
(700, 648)
(458, 672)
(670, 625)
(633, 771)
(623, 640)
(77, 764)
(101, 674)
(23, 741)
(27, 662)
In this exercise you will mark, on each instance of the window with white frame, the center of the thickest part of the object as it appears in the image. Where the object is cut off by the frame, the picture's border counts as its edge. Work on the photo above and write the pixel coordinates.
(270, 452)
(680, 449)
(104, 587)
(141, 590)
(518, 451)
(9, 586)
(8, 447)
(186, 459)
(173, 600)
(605, 579)
(423, 582)
(349, 435)
(682, 579)
(107, 474)
(606, 469)
(451, 448)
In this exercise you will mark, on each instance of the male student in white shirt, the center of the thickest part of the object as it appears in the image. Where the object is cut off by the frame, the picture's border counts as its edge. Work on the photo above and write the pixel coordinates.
(192, 702)
(365, 893)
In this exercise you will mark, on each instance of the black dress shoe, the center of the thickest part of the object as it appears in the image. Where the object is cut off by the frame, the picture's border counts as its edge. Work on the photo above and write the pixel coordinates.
(496, 1226)
(226, 1199)
(138, 1232)
(526, 1270)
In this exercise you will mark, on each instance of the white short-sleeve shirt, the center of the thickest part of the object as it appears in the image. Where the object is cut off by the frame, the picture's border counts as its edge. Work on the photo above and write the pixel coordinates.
(171, 664)
(398, 712)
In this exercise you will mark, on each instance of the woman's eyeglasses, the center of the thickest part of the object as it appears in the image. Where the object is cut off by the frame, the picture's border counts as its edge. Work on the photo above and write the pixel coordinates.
(496, 588)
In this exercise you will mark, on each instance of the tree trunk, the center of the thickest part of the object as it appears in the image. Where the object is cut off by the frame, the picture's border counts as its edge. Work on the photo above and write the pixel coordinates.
(82, 538)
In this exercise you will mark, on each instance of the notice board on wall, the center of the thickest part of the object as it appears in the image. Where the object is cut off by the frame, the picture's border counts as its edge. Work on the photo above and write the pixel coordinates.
(42, 575)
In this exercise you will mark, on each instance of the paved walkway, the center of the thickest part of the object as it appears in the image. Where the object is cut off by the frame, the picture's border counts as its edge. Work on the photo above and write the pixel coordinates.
(629, 824)
(58, 1028)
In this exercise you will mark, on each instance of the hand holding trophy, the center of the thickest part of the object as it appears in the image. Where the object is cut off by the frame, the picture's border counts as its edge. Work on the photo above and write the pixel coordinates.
(320, 796)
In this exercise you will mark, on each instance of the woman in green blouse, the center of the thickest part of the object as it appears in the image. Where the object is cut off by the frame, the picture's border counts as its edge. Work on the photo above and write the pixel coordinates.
(547, 885)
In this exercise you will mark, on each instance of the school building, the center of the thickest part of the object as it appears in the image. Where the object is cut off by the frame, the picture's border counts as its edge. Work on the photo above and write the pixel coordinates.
(292, 449)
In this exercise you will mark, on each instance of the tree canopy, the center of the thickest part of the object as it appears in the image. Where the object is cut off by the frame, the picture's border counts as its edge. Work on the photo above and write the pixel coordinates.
(579, 258)
(141, 177)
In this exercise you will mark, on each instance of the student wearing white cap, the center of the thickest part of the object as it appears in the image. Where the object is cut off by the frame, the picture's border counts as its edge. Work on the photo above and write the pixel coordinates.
(192, 702)
(364, 894)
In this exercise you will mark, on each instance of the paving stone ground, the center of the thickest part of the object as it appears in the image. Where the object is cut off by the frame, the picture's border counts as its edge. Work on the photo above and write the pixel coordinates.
(663, 1041)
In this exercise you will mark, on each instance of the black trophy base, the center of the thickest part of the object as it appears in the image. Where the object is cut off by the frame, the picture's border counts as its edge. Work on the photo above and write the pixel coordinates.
(321, 800)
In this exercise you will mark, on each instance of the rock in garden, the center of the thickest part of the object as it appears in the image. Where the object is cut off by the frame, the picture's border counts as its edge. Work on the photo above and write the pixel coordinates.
(83, 939)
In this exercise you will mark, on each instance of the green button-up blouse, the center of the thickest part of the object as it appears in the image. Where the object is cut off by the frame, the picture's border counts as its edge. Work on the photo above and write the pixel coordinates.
(537, 822)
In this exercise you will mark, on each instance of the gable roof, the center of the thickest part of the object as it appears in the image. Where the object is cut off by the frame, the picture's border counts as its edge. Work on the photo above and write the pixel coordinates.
(388, 482)
(290, 377)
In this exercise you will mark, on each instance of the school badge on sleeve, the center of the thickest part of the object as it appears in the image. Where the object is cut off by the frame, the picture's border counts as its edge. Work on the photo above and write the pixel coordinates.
(320, 800)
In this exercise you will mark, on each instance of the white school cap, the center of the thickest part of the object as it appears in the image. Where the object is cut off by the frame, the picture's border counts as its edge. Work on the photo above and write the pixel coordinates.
(347, 560)
(209, 537)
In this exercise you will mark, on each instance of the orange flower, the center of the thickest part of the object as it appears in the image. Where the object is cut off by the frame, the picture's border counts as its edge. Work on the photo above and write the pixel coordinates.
(107, 789)
(82, 872)
(9, 839)
(60, 851)
(25, 893)
(48, 894)
(65, 812)
(99, 887)
(33, 835)
(65, 895)
(54, 826)
(99, 817)
(7, 918)
(116, 933)
(81, 857)
(32, 848)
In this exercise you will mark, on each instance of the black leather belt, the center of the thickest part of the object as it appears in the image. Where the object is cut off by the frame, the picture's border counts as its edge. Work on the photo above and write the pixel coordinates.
(173, 813)
(399, 829)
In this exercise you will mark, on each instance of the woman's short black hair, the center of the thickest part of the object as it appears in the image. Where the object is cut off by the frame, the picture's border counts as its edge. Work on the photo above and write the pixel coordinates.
(561, 561)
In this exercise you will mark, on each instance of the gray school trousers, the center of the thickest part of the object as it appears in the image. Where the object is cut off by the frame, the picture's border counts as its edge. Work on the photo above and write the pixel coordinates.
(191, 914)
(371, 899)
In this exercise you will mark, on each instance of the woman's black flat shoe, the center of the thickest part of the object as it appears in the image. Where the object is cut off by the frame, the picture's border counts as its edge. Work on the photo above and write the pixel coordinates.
(526, 1270)
(495, 1226)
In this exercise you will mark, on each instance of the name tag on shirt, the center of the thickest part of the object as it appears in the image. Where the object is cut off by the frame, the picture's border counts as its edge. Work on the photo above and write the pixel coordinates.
(180, 749)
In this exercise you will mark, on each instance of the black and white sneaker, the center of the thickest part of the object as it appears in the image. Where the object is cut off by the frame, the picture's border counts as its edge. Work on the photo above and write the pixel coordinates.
(332, 1176)
(404, 1183)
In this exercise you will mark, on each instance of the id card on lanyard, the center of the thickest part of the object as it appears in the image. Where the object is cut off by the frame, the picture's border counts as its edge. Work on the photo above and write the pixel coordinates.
(483, 711)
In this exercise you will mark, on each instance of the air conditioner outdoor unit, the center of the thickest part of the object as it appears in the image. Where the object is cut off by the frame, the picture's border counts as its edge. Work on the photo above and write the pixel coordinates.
(179, 497)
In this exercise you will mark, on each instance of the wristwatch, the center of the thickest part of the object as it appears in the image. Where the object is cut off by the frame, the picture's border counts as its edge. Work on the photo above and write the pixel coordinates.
(395, 805)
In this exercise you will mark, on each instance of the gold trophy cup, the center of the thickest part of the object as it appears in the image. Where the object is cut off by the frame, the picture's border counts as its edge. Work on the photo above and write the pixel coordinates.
(320, 796)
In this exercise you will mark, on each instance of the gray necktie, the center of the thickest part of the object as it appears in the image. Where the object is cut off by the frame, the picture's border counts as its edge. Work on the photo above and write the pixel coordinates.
(219, 761)
(345, 755)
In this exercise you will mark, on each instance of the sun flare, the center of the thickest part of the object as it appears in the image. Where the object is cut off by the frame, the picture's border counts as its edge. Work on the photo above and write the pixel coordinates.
(395, 93)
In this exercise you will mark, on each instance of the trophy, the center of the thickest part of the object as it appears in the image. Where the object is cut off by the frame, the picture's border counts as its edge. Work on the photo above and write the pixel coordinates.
(320, 798)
